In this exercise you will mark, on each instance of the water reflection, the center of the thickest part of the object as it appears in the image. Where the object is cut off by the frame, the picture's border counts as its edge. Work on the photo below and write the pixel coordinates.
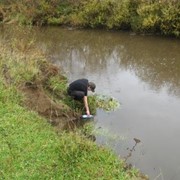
(157, 62)
(153, 62)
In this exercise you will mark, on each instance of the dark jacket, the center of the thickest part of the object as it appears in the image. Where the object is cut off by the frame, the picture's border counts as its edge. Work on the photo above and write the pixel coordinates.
(79, 85)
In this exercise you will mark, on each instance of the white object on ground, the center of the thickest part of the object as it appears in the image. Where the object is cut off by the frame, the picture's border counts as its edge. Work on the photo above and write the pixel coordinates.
(87, 116)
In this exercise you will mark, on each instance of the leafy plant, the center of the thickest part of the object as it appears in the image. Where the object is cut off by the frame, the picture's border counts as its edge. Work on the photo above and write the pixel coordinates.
(107, 103)
(170, 18)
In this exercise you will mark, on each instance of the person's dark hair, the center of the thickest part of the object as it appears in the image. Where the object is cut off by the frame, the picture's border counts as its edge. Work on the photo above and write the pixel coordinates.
(92, 86)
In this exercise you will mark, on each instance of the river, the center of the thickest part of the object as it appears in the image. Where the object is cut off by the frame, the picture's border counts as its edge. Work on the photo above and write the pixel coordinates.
(142, 73)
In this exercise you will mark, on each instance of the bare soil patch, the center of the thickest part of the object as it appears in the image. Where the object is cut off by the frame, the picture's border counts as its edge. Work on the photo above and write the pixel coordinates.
(37, 99)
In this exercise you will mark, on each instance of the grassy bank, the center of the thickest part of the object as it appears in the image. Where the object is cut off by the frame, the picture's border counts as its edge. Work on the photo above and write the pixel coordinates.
(31, 148)
(140, 16)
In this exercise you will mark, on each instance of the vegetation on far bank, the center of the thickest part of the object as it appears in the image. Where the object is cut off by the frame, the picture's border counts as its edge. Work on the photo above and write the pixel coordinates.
(32, 94)
(141, 16)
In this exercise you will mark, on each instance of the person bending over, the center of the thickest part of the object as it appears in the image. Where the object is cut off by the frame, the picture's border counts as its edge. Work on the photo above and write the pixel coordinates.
(79, 90)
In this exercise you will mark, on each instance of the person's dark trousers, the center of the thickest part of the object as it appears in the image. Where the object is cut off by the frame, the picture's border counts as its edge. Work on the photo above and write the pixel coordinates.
(76, 95)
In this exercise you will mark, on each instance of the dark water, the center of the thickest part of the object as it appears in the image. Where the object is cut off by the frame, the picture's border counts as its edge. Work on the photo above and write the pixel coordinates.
(143, 74)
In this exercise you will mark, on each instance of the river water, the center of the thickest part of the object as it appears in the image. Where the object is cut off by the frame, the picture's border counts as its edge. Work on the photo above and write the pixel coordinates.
(143, 74)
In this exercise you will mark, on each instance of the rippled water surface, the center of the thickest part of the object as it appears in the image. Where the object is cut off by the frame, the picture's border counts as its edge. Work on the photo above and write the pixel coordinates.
(142, 73)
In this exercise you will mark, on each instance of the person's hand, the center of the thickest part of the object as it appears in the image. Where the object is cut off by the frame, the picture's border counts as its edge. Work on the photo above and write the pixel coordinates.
(87, 112)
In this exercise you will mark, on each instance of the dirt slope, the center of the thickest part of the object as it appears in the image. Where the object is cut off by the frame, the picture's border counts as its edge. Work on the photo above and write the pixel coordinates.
(37, 99)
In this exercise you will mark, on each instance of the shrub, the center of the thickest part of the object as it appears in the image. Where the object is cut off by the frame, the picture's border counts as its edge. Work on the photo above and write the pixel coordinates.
(145, 16)
(170, 18)
(120, 15)
(96, 13)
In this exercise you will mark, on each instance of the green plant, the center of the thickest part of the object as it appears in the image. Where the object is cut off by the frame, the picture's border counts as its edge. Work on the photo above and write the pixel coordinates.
(120, 15)
(106, 103)
(95, 13)
(149, 16)
(170, 18)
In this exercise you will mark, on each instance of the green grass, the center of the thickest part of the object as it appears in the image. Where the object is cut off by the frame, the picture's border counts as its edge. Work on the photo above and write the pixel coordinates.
(30, 148)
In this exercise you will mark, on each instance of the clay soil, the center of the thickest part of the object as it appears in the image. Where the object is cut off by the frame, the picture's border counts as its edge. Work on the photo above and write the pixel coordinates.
(36, 98)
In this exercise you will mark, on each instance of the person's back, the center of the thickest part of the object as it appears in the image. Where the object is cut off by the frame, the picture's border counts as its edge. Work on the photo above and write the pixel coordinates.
(79, 85)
